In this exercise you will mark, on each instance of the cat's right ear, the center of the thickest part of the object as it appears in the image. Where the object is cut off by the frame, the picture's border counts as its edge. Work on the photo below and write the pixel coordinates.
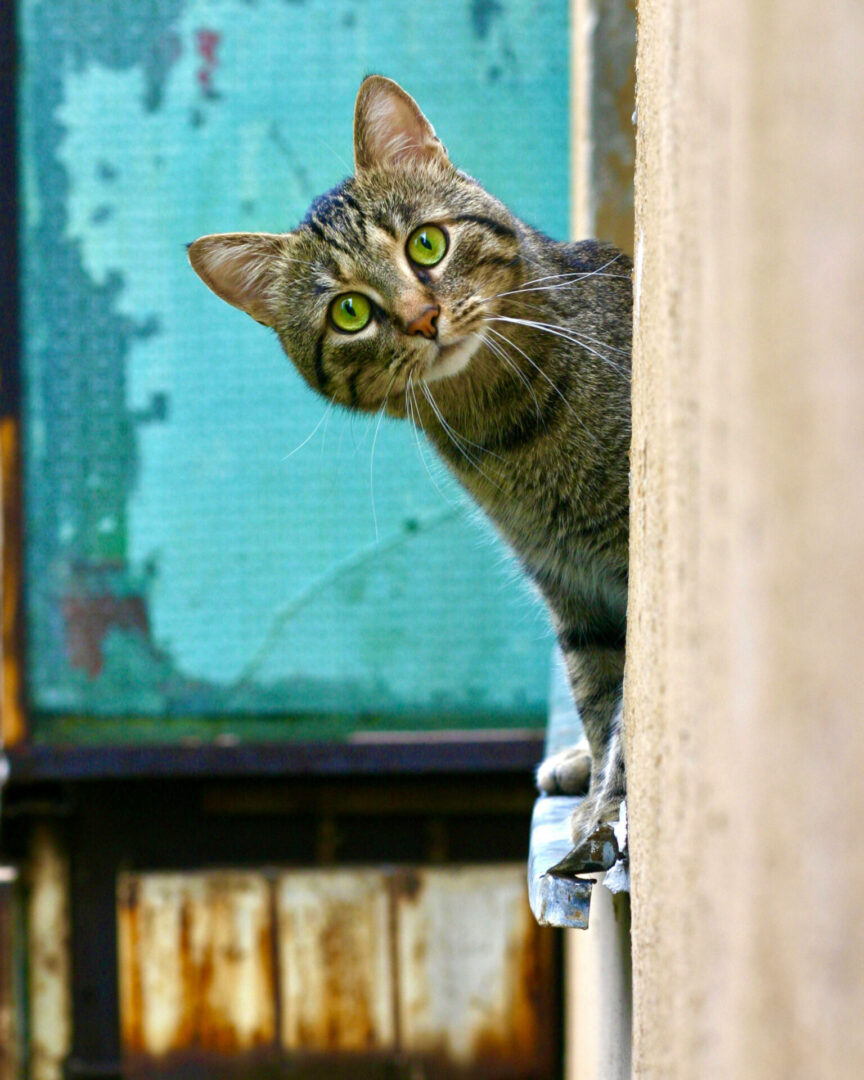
(389, 127)
(243, 269)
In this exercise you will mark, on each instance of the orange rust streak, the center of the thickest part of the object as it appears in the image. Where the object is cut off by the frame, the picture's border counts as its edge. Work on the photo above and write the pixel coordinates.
(13, 720)
(129, 947)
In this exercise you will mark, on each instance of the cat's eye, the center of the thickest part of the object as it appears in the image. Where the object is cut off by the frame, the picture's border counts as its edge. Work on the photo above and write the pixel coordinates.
(350, 312)
(427, 245)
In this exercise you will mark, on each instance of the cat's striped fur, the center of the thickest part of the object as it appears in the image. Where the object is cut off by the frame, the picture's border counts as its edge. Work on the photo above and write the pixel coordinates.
(512, 354)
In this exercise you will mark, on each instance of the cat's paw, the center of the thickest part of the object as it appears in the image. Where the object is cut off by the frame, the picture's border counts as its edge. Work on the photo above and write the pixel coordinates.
(595, 813)
(595, 840)
(566, 773)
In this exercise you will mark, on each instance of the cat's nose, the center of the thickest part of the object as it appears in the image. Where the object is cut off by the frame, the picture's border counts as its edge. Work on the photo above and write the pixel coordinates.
(426, 323)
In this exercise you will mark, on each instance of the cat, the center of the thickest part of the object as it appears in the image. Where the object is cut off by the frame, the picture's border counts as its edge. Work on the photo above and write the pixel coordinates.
(409, 288)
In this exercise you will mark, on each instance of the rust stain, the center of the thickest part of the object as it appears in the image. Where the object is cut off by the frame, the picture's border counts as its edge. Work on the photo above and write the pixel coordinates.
(129, 946)
(13, 723)
(349, 1017)
(409, 885)
(526, 1039)
(469, 988)
(237, 992)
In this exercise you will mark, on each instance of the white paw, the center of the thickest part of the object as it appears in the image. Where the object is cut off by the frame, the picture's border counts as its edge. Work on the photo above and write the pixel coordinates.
(567, 772)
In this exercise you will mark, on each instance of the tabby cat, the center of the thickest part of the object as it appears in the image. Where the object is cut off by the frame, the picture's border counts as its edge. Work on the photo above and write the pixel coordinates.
(409, 288)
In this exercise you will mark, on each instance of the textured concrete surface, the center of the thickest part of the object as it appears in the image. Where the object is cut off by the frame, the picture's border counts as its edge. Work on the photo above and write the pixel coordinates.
(744, 684)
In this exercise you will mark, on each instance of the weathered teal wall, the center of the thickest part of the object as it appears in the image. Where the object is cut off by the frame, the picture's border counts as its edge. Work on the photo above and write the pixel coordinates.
(182, 561)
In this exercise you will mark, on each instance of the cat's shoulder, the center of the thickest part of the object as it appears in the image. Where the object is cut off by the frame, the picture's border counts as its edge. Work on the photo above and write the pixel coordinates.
(579, 256)
(593, 255)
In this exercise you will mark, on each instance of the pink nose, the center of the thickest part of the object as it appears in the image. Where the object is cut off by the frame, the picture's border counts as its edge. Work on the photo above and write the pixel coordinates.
(426, 322)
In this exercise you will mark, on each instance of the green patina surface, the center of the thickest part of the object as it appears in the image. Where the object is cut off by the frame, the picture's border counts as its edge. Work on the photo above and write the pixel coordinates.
(184, 564)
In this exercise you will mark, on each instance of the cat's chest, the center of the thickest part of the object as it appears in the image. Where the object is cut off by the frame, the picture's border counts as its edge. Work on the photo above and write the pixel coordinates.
(552, 512)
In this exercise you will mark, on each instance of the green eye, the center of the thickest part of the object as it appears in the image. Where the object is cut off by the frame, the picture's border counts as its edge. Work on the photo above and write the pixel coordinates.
(350, 312)
(427, 245)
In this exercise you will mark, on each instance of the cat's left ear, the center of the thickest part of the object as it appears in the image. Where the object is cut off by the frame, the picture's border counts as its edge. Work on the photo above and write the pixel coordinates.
(243, 269)
(390, 129)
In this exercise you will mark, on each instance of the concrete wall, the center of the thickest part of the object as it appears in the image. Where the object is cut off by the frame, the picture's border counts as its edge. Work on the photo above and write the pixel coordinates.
(745, 681)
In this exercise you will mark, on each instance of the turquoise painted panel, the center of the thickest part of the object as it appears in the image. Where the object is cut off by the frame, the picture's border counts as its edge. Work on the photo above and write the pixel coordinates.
(205, 537)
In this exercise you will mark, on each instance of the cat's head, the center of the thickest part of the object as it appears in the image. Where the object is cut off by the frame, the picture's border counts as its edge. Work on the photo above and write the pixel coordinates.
(390, 273)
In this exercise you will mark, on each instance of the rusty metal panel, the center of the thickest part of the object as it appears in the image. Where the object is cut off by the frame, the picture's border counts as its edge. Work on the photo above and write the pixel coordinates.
(440, 972)
(49, 969)
(336, 970)
(474, 969)
(197, 966)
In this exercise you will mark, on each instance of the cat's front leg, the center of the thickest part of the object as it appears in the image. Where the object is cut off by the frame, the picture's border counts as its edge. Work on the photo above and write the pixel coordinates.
(596, 678)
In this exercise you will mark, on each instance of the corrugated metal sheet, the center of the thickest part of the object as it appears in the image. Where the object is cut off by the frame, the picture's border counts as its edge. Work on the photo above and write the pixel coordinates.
(417, 967)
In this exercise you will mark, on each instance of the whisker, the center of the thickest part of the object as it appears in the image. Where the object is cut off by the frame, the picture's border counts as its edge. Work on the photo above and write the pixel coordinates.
(532, 307)
(348, 168)
(574, 273)
(372, 455)
(557, 390)
(498, 351)
(557, 331)
(372, 470)
(326, 426)
(321, 420)
(409, 408)
(450, 434)
(462, 438)
(576, 278)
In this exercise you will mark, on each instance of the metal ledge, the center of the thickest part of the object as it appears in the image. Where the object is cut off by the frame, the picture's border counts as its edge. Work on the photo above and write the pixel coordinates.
(558, 900)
